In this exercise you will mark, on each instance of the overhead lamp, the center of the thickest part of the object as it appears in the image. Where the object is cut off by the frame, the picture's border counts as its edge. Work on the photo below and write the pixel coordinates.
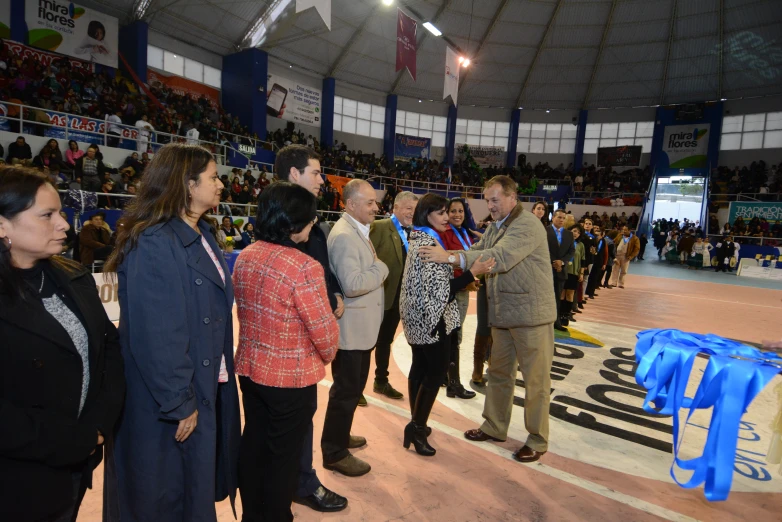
(432, 29)
(547, 111)
(419, 101)
(388, 2)
(465, 62)
(723, 99)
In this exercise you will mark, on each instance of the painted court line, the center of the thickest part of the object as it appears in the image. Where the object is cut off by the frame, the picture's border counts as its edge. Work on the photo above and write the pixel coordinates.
(571, 479)
(685, 296)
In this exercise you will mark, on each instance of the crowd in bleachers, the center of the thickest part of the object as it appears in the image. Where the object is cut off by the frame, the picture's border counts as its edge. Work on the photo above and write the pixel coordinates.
(757, 179)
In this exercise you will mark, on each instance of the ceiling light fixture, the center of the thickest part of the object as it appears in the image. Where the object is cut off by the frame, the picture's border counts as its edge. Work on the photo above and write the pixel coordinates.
(432, 29)
(388, 2)
(547, 111)
(723, 99)
(465, 62)
(419, 101)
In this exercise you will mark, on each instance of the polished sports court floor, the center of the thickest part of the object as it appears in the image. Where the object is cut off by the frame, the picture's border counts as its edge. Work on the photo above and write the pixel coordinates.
(608, 460)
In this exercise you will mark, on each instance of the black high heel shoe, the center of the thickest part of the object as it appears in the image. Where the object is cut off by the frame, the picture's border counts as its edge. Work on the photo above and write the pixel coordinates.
(417, 435)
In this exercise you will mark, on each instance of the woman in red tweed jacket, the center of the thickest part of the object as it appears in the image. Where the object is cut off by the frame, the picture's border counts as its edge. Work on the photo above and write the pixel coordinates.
(287, 336)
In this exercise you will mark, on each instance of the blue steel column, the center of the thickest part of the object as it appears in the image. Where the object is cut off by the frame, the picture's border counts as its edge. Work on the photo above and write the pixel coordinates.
(133, 41)
(389, 131)
(327, 113)
(450, 135)
(513, 137)
(244, 88)
(578, 158)
(657, 139)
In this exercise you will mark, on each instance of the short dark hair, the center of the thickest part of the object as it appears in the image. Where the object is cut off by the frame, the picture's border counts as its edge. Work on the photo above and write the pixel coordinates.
(457, 200)
(293, 156)
(284, 209)
(93, 28)
(579, 228)
(426, 205)
(101, 215)
(559, 211)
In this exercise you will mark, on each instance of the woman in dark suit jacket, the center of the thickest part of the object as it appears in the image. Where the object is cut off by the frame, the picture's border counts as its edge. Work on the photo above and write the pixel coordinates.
(61, 378)
(178, 439)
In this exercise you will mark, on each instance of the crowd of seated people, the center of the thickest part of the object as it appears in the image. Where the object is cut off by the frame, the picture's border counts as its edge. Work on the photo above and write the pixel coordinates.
(757, 179)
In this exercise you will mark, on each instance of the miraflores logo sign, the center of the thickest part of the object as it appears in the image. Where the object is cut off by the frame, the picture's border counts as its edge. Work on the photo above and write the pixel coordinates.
(687, 146)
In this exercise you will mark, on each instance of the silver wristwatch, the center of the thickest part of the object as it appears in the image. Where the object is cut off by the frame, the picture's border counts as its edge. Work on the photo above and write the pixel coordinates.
(452, 259)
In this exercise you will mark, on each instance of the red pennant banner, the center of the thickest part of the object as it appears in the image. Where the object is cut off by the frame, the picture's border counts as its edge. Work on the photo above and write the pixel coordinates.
(405, 42)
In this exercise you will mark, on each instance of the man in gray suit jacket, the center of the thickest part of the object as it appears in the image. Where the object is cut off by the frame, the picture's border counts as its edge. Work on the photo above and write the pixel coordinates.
(522, 311)
(360, 274)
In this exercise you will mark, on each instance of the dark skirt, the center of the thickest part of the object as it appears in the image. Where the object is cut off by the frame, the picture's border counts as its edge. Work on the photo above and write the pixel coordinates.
(572, 282)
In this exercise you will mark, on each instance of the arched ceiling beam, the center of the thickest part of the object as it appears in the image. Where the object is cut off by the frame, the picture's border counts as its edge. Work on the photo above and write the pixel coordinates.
(671, 29)
(489, 30)
(421, 39)
(722, 50)
(262, 13)
(599, 54)
(353, 39)
(537, 54)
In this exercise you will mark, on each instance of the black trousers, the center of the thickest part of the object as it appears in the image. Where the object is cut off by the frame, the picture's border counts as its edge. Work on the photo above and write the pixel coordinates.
(350, 369)
(609, 269)
(430, 361)
(385, 338)
(559, 285)
(308, 478)
(72, 512)
(275, 424)
(594, 279)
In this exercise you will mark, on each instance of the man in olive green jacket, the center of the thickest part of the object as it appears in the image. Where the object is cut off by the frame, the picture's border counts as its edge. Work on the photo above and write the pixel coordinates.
(522, 312)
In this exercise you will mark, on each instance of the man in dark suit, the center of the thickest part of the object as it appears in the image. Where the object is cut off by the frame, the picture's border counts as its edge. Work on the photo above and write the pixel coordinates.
(561, 249)
(600, 262)
(389, 236)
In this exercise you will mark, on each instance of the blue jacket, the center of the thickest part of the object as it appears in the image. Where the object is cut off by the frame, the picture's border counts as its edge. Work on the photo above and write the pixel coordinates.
(175, 325)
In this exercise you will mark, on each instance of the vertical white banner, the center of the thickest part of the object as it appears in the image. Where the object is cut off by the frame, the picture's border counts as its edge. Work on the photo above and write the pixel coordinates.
(323, 7)
(451, 82)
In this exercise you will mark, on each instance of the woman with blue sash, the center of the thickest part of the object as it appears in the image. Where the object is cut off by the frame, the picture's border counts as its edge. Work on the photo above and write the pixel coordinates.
(430, 314)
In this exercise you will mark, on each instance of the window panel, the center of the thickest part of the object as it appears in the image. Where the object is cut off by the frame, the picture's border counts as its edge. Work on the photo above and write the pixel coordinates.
(590, 146)
(411, 131)
(213, 77)
(349, 108)
(501, 142)
(536, 145)
(438, 139)
(551, 147)
(155, 57)
(609, 130)
(553, 130)
(502, 130)
(337, 104)
(627, 130)
(378, 114)
(377, 130)
(194, 70)
(730, 141)
(461, 138)
(400, 129)
(474, 127)
(754, 122)
(524, 130)
(426, 122)
(774, 121)
(607, 143)
(362, 127)
(644, 129)
(751, 140)
(338, 122)
(412, 119)
(472, 139)
(440, 124)
(173, 63)
(624, 141)
(400, 117)
(645, 143)
(364, 111)
(424, 134)
(487, 128)
(569, 131)
(773, 140)
(348, 124)
(567, 146)
(487, 141)
(592, 130)
(538, 130)
(522, 145)
(732, 124)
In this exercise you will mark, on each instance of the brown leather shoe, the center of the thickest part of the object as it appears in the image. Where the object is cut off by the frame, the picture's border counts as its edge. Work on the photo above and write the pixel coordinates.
(477, 435)
(527, 454)
(356, 442)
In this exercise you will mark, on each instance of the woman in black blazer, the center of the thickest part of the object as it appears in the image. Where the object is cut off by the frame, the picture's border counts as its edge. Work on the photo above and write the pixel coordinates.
(61, 375)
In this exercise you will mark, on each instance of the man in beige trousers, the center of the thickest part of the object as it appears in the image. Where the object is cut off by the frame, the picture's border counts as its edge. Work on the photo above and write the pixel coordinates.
(522, 312)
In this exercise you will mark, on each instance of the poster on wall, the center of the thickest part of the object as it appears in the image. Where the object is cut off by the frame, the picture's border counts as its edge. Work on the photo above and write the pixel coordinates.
(5, 20)
(687, 146)
(412, 147)
(183, 86)
(771, 212)
(484, 156)
(292, 101)
(73, 30)
(625, 156)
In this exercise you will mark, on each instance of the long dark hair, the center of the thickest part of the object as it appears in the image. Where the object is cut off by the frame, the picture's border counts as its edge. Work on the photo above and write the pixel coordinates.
(163, 196)
(18, 190)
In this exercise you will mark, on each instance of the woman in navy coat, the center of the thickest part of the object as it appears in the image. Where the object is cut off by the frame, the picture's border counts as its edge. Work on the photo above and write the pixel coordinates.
(176, 447)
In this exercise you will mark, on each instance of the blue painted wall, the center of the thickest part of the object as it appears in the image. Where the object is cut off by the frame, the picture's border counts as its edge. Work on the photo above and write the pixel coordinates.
(578, 158)
(513, 137)
(133, 41)
(450, 135)
(389, 131)
(244, 74)
(18, 25)
(327, 113)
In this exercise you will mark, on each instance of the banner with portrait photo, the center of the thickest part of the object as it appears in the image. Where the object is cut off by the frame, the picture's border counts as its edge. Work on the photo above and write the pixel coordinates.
(72, 30)
(292, 101)
(412, 147)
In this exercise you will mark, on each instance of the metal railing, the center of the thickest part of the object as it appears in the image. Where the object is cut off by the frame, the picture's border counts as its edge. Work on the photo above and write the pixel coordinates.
(760, 241)
(745, 196)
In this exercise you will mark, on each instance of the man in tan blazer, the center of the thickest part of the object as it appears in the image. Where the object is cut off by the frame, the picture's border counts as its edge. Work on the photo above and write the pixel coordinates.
(522, 311)
(360, 274)
(389, 236)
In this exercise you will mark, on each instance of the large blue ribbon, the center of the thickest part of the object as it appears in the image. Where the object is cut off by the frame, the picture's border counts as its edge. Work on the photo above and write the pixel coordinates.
(464, 240)
(431, 232)
(734, 375)
(400, 231)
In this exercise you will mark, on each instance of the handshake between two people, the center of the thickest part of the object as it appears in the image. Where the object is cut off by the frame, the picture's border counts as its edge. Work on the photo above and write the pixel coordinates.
(436, 254)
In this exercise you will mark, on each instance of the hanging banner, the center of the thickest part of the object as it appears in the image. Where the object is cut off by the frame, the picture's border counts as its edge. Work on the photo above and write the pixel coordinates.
(484, 156)
(451, 82)
(687, 146)
(5, 20)
(43, 57)
(183, 87)
(323, 7)
(412, 147)
(625, 156)
(72, 29)
(747, 210)
(292, 101)
(405, 43)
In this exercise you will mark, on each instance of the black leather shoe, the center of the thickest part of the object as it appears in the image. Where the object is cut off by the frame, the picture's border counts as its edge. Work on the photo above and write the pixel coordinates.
(323, 500)
(560, 328)
(386, 389)
(455, 389)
